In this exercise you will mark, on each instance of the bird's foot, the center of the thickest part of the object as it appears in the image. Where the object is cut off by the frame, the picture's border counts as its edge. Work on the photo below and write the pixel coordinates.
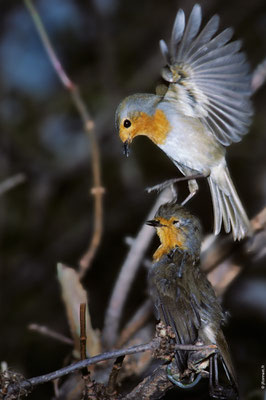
(183, 382)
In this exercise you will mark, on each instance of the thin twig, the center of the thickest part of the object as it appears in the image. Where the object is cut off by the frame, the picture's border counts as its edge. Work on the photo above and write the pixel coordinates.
(83, 345)
(12, 182)
(223, 275)
(83, 337)
(219, 259)
(43, 330)
(135, 323)
(128, 273)
(97, 191)
(112, 381)
(30, 383)
(154, 344)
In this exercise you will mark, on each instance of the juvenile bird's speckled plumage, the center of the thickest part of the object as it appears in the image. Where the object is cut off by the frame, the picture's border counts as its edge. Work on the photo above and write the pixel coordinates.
(206, 106)
(183, 297)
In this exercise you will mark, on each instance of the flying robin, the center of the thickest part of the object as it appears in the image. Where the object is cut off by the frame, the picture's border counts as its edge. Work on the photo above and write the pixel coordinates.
(185, 300)
(205, 107)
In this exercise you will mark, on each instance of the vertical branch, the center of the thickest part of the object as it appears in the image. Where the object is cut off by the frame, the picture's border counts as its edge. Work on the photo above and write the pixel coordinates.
(97, 191)
(83, 345)
(83, 337)
(112, 381)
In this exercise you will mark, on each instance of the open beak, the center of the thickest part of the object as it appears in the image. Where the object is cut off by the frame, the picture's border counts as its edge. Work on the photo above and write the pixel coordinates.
(154, 223)
(126, 148)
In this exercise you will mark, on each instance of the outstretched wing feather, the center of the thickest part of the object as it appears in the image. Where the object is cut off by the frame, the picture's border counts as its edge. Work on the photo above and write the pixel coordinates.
(214, 71)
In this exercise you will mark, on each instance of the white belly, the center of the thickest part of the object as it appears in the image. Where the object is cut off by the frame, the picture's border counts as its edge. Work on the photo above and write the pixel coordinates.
(191, 145)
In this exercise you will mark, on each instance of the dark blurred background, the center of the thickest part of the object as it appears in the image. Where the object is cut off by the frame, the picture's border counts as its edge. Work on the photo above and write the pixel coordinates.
(110, 49)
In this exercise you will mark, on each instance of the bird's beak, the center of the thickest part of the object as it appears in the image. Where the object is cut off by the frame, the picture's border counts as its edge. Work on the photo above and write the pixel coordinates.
(155, 223)
(126, 148)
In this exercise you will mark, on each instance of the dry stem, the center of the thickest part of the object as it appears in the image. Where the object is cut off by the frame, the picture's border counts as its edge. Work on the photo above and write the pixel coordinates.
(97, 191)
(12, 182)
(43, 330)
(83, 337)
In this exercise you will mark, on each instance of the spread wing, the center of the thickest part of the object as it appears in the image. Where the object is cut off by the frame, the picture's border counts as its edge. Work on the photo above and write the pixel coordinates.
(174, 306)
(209, 78)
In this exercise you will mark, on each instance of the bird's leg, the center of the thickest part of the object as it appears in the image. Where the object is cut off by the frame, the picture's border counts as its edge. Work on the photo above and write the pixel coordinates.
(192, 184)
(193, 188)
(198, 361)
(171, 182)
(161, 186)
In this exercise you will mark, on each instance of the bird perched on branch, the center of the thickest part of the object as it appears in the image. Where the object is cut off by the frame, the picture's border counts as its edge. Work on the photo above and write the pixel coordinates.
(185, 300)
(204, 108)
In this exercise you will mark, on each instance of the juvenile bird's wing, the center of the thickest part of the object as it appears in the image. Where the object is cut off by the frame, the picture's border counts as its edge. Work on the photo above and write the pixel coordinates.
(209, 78)
(174, 305)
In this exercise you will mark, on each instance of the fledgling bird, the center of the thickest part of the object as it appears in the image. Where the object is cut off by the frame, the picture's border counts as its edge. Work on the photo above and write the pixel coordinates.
(205, 107)
(185, 300)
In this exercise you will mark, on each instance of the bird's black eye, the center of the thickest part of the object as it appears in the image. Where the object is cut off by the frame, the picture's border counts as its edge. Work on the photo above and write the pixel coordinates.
(127, 123)
(176, 223)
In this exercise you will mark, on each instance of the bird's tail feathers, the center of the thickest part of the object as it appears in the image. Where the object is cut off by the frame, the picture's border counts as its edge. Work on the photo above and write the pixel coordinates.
(227, 206)
(226, 359)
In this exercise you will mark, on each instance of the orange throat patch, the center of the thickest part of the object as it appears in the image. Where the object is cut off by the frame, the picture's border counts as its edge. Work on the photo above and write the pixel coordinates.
(170, 238)
(155, 127)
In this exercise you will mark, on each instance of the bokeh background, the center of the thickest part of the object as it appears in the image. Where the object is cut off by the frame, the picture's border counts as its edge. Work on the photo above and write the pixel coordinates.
(110, 49)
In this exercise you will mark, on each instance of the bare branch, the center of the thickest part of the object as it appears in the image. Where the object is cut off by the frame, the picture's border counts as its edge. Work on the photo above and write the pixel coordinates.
(11, 182)
(223, 275)
(30, 383)
(97, 191)
(135, 323)
(43, 330)
(151, 346)
(83, 337)
(73, 294)
(128, 273)
(111, 386)
(218, 258)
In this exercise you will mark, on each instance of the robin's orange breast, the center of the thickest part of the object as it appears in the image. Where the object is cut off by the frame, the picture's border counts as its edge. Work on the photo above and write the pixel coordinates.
(155, 126)
(170, 238)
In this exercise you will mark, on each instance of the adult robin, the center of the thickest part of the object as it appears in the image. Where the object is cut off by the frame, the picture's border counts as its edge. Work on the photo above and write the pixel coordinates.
(185, 300)
(205, 107)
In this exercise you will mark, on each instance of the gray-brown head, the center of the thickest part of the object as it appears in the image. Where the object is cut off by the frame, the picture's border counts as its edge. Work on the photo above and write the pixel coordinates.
(176, 227)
